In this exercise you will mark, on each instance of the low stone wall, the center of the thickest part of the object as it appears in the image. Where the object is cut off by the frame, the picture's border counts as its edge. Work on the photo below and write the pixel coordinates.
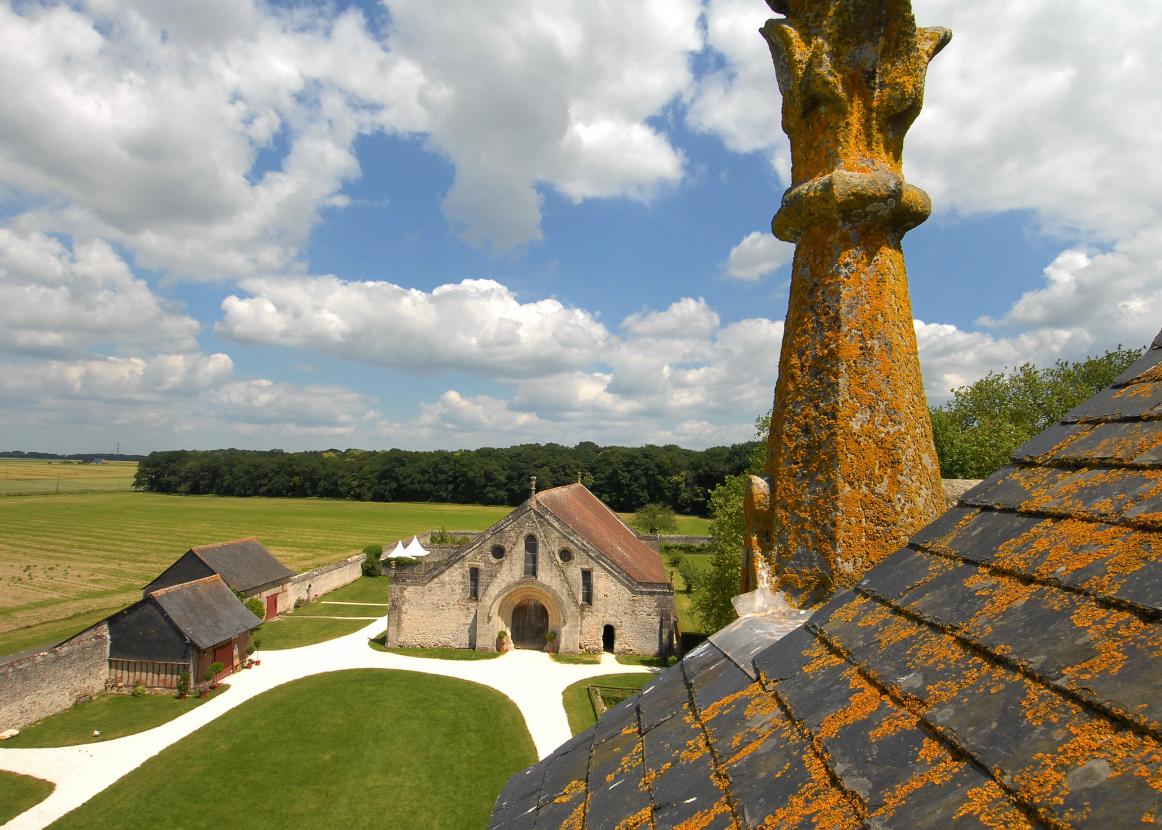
(43, 684)
(322, 580)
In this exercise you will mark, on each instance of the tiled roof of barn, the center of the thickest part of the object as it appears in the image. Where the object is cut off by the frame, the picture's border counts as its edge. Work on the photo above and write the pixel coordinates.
(244, 563)
(1002, 670)
(588, 516)
(205, 610)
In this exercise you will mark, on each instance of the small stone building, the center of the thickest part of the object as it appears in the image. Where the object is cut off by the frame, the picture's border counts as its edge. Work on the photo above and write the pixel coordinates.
(562, 562)
(244, 564)
(185, 627)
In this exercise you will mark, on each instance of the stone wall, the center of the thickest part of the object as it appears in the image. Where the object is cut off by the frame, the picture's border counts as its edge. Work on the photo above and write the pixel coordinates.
(440, 613)
(43, 684)
(312, 584)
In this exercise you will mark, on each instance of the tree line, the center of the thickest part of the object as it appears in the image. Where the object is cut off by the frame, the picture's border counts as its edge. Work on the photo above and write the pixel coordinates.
(625, 478)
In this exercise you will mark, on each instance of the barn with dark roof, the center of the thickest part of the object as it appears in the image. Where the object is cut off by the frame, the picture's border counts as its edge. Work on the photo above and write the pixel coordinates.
(1002, 670)
(561, 570)
(244, 564)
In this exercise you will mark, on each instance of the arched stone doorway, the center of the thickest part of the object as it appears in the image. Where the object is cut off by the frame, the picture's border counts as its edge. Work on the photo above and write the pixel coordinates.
(607, 638)
(530, 623)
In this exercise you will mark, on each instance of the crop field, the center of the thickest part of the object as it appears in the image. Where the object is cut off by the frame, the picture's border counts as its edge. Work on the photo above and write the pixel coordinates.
(20, 477)
(67, 561)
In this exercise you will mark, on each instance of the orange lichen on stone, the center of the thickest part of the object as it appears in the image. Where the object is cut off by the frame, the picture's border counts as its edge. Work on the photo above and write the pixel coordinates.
(1097, 751)
(898, 721)
(990, 805)
(651, 775)
(571, 791)
(1066, 496)
(702, 818)
(860, 706)
(819, 800)
(1002, 592)
(1110, 631)
(629, 761)
(821, 658)
(643, 818)
(939, 768)
(1057, 548)
(850, 457)
(695, 748)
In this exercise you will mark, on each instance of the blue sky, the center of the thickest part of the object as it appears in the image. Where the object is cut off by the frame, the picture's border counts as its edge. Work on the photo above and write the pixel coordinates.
(460, 224)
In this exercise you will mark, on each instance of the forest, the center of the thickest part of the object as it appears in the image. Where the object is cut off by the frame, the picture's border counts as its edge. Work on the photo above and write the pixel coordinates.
(625, 478)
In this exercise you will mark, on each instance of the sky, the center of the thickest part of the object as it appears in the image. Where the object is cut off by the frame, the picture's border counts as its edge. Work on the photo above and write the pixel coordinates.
(228, 223)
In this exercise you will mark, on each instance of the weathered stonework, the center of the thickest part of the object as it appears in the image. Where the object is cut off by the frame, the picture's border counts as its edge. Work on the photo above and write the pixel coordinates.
(851, 469)
(434, 609)
(43, 684)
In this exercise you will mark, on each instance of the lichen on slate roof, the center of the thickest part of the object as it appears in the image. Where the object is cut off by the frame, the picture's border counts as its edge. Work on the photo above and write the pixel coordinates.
(1002, 670)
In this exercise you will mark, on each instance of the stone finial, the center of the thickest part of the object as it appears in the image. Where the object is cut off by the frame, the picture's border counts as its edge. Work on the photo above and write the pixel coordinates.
(532, 488)
(851, 468)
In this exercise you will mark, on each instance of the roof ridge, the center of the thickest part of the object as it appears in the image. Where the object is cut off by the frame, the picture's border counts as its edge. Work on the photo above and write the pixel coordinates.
(186, 584)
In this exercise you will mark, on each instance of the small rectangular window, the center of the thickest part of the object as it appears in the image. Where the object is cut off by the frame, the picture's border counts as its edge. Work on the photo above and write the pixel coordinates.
(587, 587)
(474, 583)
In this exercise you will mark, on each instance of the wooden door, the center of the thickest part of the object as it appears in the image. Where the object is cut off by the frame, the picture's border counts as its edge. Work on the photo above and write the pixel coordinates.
(530, 623)
(272, 606)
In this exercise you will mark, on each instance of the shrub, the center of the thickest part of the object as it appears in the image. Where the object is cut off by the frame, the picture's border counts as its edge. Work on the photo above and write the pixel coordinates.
(255, 644)
(255, 606)
(250, 649)
(213, 671)
(183, 684)
(139, 690)
(371, 554)
(443, 538)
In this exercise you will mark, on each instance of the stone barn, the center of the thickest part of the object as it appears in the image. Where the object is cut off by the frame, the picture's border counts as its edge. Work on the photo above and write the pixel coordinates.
(185, 627)
(244, 564)
(562, 562)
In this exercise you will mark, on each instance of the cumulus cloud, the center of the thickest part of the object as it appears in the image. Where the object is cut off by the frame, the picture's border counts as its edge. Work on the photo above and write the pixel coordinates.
(474, 325)
(758, 254)
(115, 378)
(59, 301)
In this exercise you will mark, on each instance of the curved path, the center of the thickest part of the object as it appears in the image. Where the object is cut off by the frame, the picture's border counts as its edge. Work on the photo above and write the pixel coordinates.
(530, 679)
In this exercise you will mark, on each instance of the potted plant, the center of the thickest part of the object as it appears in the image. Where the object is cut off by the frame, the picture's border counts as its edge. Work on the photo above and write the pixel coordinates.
(551, 642)
(212, 674)
(183, 685)
(502, 643)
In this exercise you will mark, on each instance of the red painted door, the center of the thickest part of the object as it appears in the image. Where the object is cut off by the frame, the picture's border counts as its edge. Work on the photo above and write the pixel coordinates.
(225, 656)
(272, 606)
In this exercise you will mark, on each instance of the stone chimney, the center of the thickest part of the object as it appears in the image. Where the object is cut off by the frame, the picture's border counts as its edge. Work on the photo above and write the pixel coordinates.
(851, 470)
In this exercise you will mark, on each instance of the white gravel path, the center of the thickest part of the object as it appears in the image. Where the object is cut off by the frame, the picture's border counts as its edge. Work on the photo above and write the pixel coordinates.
(531, 679)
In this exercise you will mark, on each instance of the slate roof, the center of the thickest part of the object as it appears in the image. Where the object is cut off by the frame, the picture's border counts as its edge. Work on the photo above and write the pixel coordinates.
(1003, 670)
(205, 611)
(588, 516)
(245, 564)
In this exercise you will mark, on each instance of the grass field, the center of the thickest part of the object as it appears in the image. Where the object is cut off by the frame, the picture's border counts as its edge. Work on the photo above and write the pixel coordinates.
(114, 716)
(19, 793)
(352, 749)
(67, 561)
(20, 477)
(575, 698)
(320, 621)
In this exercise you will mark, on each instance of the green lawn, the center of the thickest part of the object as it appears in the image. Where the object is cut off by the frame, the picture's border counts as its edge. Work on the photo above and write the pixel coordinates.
(352, 749)
(687, 525)
(295, 631)
(433, 653)
(67, 561)
(578, 659)
(19, 793)
(687, 621)
(114, 715)
(576, 701)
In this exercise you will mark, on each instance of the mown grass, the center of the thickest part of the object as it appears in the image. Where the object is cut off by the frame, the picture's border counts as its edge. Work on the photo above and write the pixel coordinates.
(575, 698)
(292, 632)
(687, 525)
(351, 749)
(688, 621)
(84, 556)
(577, 659)
(19, 793)
(115, 716)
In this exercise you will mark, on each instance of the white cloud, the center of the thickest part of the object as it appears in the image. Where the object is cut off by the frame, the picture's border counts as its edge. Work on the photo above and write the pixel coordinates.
(61, 302)
(115, 379)
(758, 254)
(474, 325)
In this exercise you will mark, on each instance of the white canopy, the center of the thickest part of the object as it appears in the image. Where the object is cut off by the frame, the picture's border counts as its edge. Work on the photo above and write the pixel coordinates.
(397, 551)
(414, 549)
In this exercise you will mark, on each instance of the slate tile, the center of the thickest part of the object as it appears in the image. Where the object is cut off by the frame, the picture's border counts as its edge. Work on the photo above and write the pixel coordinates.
(946, 601)
(786, 657)
(1011, 487)
(1142, 589)
(679, 761)
(813, 696)
(979, 539)
(1105, 495)
(616, 789)
(1041, 446)
(770, 777)
(931, 534)
(561, 812)
(713, 684)
(1151, 358)
(515, 807)
(1130, 685)
(1134, 401)
(1123, 442)
(614, 721)
(563, 772)
(903, 571)
(662, 698)
(705, 655)
(733, 724)
(952, 804)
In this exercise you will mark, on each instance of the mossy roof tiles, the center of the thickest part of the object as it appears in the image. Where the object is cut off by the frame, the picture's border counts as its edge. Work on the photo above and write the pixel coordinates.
(1003, 670)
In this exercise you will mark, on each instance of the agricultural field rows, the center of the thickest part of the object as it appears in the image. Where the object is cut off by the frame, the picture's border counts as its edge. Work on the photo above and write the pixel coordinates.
(20, 476)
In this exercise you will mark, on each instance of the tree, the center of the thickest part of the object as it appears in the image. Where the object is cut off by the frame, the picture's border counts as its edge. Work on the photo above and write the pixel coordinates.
(655, 518)
(978, 430)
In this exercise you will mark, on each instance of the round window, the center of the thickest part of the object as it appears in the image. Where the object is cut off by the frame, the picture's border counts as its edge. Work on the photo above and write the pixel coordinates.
(566, 555)
(497, 552)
